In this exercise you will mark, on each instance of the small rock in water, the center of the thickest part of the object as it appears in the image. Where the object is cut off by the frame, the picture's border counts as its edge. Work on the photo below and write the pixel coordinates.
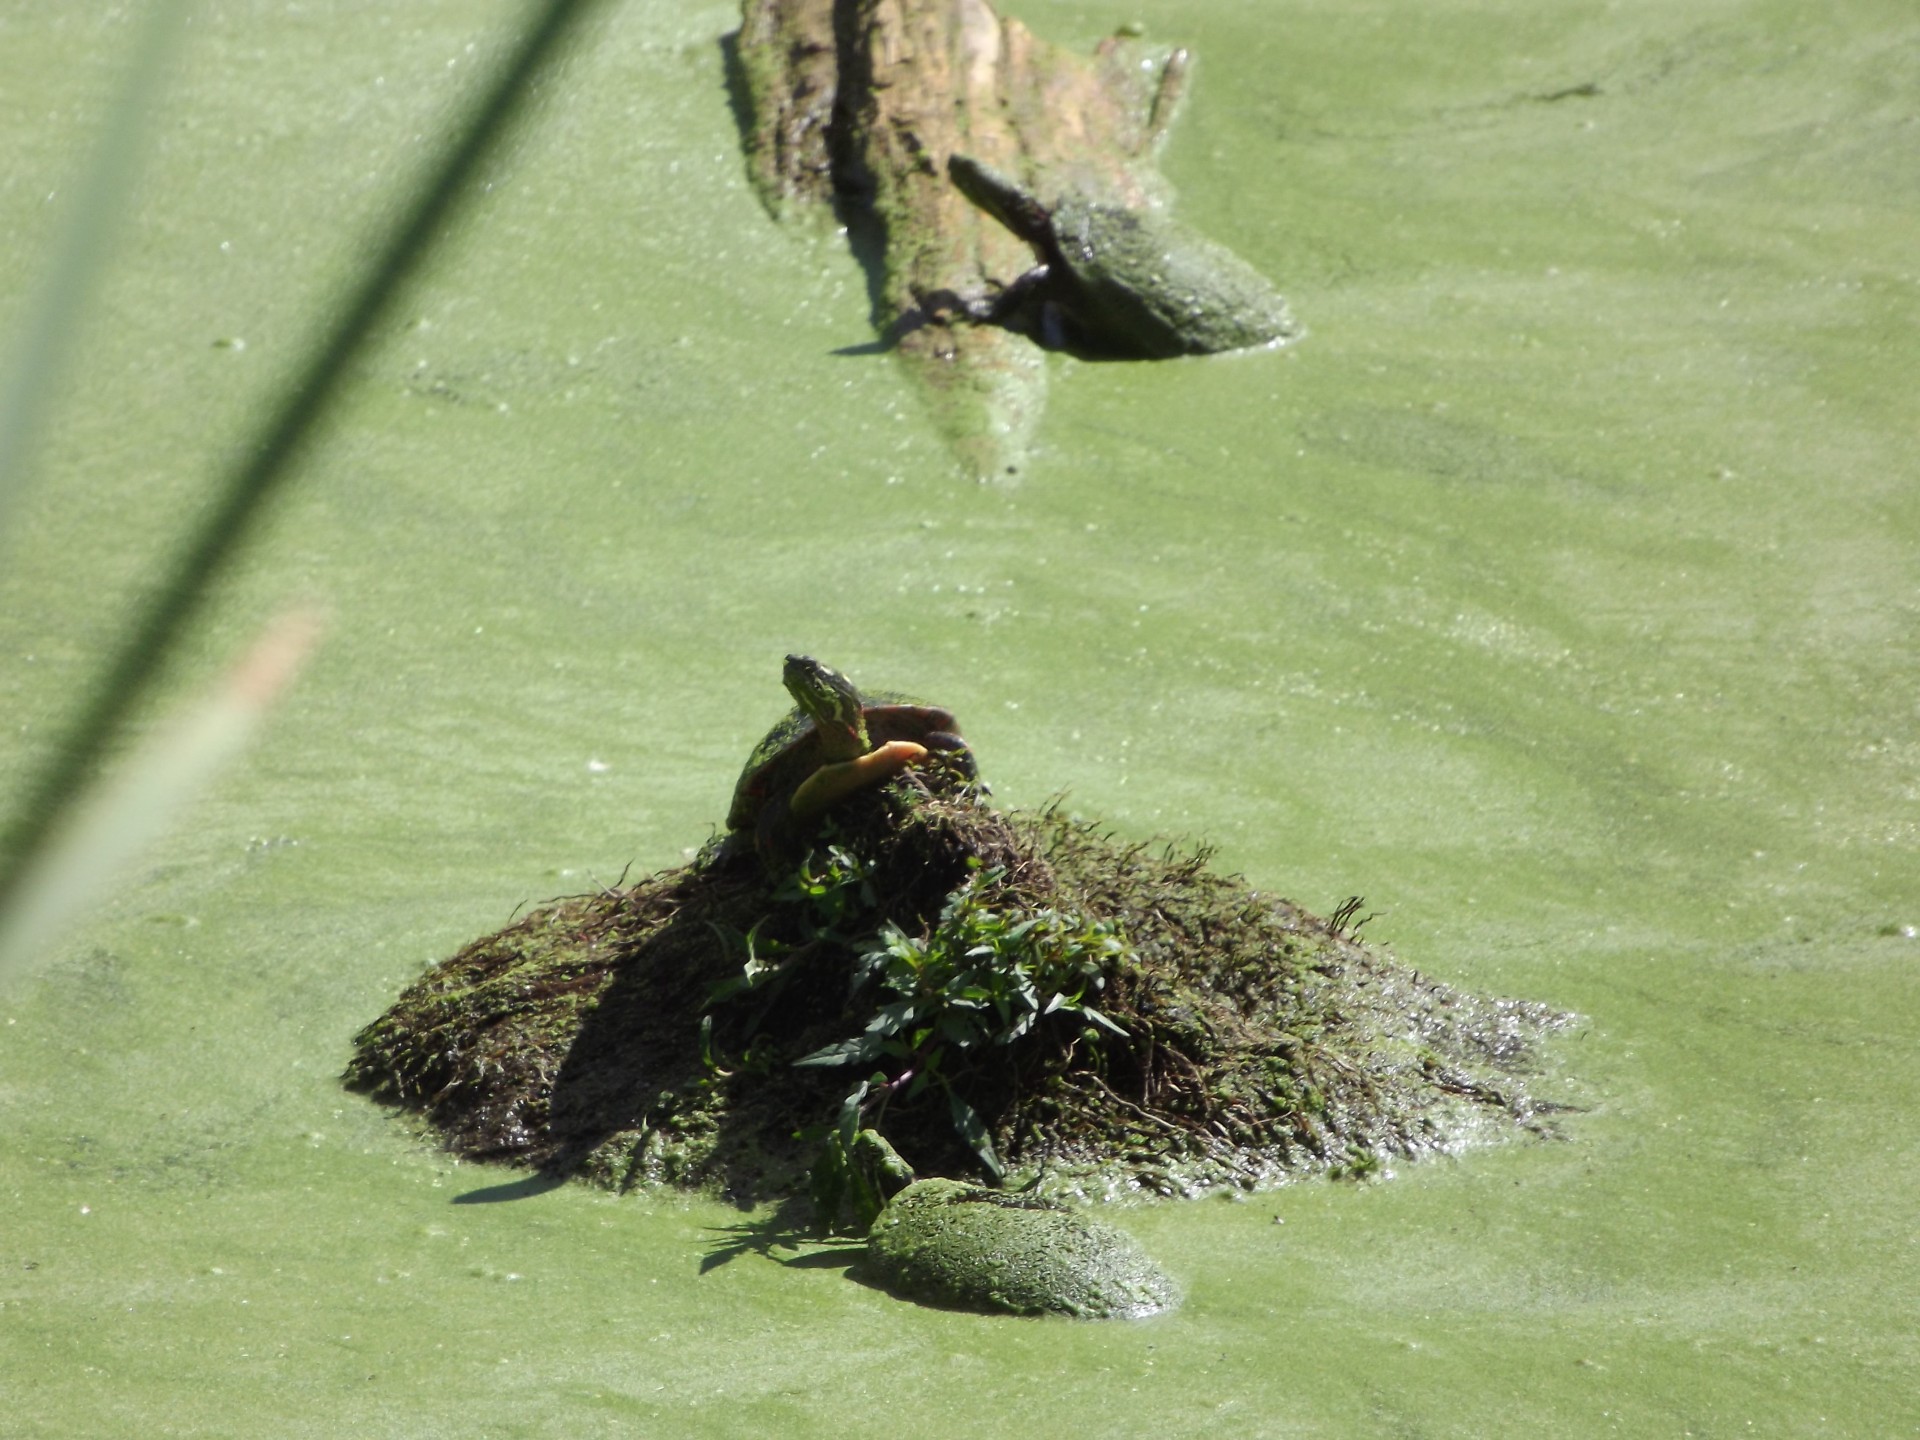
(945, 1242)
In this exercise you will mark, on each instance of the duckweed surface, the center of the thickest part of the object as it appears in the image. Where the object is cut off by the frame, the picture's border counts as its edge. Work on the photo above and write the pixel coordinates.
(1558, 596)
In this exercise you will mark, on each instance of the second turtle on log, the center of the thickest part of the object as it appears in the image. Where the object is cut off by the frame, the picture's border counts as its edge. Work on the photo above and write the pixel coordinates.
(1124, 282)
(852, 108)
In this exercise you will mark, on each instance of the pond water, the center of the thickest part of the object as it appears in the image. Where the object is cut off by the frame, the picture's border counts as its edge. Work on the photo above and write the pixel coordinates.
(1559, 594)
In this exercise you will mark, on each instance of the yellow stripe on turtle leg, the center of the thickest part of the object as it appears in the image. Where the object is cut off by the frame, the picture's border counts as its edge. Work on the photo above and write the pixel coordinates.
(831, 784)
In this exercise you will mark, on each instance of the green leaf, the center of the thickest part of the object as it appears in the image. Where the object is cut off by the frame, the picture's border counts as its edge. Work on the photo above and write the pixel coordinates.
(958, 1030)
(844, 1052)
(893, 1017)
(967, 1121)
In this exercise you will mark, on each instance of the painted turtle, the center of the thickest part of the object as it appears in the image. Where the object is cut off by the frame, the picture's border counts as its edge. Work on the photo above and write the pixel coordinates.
(1127, 283)
(835, 742)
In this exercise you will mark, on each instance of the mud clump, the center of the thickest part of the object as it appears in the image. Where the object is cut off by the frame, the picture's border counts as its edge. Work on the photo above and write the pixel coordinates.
(1001, 995)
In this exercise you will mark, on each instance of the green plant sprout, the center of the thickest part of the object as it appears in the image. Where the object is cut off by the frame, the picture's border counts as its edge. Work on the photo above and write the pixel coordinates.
(983, 977)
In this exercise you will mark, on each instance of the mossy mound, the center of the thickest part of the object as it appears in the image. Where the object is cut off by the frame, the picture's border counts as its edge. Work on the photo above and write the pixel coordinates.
(1166, 1027)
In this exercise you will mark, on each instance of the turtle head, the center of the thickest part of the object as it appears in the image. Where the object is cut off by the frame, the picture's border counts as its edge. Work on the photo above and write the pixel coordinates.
(831, 701)
(1000, 197)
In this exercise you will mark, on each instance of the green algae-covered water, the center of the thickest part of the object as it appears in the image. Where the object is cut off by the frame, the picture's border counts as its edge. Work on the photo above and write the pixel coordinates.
(1559, 594)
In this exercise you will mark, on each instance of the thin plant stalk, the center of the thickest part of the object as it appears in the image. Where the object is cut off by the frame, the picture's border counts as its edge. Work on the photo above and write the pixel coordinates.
(265, 461)
(33, 365)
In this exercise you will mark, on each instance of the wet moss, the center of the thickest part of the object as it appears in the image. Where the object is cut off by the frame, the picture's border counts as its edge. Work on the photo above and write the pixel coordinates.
(648, 1034)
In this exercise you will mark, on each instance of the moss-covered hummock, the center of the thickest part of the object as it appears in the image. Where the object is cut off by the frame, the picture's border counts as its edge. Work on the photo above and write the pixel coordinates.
(1020, 992)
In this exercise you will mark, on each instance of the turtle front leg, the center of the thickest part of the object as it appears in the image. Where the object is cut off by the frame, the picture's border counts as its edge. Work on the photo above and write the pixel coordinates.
(1010, 307)
(830, 784)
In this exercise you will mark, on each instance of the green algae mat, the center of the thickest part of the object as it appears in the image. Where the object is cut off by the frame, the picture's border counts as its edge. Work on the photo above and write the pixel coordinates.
(1555, 593)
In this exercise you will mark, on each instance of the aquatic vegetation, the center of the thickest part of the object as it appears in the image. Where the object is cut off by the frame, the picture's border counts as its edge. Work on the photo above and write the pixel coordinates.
(982, 977)
(1018, 993)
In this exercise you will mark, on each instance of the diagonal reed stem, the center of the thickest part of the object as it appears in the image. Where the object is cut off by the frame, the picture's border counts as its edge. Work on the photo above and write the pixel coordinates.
(31, 370)
(264, 463)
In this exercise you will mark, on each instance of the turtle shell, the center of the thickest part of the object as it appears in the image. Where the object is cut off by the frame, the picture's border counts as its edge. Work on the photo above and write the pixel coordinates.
(790, 751)
(1132, 282)
(1137, 283)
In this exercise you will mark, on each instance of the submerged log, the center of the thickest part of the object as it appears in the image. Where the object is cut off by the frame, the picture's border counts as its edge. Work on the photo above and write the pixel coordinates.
(858, 105)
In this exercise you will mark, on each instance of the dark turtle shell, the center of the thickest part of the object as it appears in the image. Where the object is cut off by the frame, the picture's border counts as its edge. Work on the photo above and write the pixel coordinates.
(790, 751)
(1132, 282)
(1139, 284)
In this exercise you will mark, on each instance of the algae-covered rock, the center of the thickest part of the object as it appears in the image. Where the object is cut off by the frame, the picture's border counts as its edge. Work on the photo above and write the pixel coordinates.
(945, 1242)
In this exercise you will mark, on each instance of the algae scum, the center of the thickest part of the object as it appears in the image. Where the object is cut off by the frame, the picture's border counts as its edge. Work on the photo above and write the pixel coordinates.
(1001, 995)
